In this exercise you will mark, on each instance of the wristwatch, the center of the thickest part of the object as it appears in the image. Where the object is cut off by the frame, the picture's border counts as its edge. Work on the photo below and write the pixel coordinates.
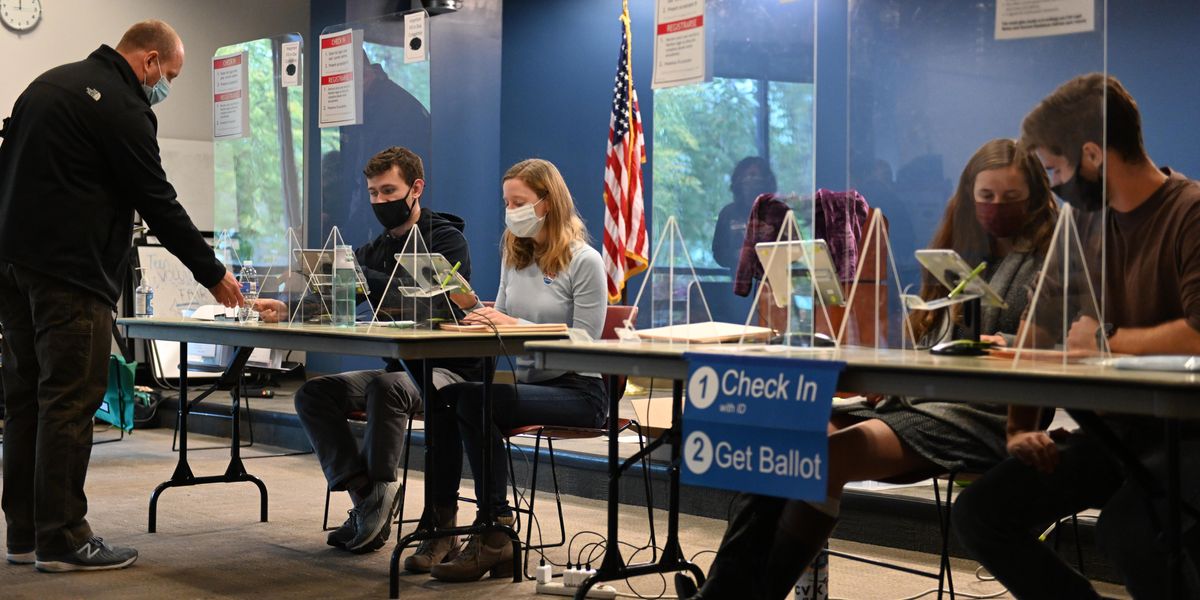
(1104, 333)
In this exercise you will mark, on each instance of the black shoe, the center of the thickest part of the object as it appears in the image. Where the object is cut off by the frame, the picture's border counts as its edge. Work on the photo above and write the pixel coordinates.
(338, 538)
(685, 588)
(93, 555)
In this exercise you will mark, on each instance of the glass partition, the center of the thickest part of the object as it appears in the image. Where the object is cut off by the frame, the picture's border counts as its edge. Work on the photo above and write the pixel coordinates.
(721, 145)
(259, 164)
(936, 95)
(396, 104)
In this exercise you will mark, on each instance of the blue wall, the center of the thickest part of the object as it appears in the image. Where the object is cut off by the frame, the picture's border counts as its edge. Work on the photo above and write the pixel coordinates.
(544, 87)
(560, 61)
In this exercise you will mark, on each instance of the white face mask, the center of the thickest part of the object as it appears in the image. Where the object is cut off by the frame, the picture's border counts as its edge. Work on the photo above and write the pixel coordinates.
(523, 221)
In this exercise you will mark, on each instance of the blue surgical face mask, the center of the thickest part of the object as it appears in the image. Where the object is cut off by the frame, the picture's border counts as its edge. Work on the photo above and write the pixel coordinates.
(158, 92)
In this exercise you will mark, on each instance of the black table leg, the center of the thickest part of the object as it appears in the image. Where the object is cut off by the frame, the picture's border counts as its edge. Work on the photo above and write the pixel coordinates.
(236, 471)
(614, 567)
(1174, 509)
(433, 532)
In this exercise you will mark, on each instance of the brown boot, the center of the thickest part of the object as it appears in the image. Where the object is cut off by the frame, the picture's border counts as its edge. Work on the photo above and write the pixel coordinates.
(484, 553)
(435, 551)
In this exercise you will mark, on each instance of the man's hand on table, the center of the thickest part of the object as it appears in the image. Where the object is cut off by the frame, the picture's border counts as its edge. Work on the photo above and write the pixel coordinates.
(270, 310)
(227, 291)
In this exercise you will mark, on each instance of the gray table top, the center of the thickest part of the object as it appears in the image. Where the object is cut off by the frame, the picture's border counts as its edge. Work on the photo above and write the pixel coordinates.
(359, 340)
(915, 373)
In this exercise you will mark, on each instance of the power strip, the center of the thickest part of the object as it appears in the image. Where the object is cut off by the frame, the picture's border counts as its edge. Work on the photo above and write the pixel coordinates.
(603, 592)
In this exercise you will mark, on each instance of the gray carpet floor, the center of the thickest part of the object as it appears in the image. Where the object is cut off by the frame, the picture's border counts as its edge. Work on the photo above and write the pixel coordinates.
(210, 543)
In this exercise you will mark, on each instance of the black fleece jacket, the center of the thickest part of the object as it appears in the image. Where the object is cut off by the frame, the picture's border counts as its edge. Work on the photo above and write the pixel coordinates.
(79, 155)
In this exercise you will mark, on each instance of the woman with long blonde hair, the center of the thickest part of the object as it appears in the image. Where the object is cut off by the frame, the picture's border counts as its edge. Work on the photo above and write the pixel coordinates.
(549, 274)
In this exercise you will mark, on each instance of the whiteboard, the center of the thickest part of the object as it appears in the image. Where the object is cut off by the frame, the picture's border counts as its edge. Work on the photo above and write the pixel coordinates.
(189, 167)
(174, 290)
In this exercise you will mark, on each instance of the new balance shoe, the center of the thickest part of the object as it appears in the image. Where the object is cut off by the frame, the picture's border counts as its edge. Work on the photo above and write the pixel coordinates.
(373, 516)
(21, 557)
(93, 555)
(338, 538)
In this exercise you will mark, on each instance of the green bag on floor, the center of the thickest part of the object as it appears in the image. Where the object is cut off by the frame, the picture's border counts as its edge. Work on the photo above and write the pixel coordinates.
(117, 406)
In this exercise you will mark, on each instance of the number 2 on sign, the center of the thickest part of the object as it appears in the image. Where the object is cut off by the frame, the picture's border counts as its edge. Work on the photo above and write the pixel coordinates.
(698, 449)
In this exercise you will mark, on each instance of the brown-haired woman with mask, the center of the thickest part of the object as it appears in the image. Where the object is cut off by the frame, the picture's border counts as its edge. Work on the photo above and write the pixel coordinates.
(1002, 212)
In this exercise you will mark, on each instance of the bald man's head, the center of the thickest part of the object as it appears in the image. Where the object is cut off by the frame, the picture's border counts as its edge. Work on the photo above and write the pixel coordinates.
(153, 50)
(150, 35)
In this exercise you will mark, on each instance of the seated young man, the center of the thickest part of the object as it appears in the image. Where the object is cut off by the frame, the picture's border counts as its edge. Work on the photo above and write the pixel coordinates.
(389, 396)
(1152, 289)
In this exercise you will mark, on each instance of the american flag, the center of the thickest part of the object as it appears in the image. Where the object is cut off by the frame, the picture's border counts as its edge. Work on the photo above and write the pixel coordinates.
(625, 243)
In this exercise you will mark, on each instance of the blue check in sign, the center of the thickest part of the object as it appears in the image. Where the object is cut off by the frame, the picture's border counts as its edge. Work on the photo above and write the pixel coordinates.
(758, 424)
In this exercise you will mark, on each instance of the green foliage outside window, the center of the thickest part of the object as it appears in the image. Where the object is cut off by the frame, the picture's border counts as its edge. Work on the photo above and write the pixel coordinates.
(259, 190)
(702, 131)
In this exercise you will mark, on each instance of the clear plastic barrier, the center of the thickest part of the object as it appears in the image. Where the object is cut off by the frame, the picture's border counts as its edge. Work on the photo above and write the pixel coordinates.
(396, 107)
(258, 172)
(936, 95)
(721, 145)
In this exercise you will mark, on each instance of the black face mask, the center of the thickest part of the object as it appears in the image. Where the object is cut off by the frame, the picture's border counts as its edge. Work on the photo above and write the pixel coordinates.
(395, 213)
(1081, 193)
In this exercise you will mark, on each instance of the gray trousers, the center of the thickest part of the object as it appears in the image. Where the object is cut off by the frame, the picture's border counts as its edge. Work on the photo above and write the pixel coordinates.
(389, 400)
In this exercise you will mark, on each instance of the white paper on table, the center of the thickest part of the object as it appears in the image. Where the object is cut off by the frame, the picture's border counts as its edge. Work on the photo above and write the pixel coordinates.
(1017, 19)
(680, 45)
(289, 64)
(416, 48)
(231, 109)
(340, 95)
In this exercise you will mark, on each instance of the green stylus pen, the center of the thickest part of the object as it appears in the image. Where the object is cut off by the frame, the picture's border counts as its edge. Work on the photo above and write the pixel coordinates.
(962, 284)
(449, 275)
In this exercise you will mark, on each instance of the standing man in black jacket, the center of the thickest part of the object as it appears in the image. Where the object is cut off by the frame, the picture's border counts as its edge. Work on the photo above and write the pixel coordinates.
(79, 155)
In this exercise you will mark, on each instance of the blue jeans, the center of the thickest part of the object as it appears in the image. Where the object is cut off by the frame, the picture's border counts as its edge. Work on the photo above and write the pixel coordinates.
(569, 401)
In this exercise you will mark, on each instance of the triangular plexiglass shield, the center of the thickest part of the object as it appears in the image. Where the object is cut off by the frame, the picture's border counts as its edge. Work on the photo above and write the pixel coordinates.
(1065, 294)
(875, 315)
(334, 284)
(678, 309)
(419, 289)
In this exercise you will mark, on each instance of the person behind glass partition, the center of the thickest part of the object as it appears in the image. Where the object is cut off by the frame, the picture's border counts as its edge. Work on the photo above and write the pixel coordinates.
(1001, 211)
(751, 178)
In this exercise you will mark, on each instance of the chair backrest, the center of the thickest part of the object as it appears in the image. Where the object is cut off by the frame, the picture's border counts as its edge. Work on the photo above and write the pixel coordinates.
(615, 317)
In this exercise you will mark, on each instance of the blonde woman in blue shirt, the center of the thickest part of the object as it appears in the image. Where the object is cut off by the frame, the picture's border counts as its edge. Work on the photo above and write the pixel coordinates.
(549, 274)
